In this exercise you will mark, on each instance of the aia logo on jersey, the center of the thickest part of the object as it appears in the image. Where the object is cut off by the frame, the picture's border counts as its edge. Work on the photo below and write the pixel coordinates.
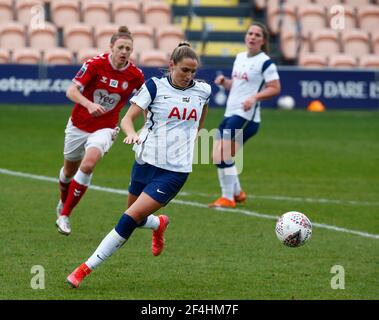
(186, 115)
(82, 71)
(240, 75)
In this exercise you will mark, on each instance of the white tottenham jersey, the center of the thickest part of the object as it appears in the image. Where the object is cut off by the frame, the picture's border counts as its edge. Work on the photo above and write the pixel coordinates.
(168, 136)
(249, 76)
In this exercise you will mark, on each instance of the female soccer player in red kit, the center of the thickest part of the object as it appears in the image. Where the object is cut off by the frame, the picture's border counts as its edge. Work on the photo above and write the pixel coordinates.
(99, 90)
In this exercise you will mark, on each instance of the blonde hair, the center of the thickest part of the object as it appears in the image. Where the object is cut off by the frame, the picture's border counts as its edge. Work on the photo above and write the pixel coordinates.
(123, 32)
(183, 50)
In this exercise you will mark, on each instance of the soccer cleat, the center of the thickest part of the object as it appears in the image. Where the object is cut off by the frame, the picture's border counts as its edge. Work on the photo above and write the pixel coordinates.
(240, 197)
(59, 208)
(63, 225)
(158, 235)
(77, 276)
(222, 203)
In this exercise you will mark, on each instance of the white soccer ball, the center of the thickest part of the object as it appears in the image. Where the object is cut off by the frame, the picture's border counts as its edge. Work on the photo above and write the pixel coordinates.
(293, 229)
(286, 103)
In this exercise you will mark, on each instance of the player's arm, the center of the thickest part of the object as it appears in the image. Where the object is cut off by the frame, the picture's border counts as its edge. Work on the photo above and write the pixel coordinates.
(74, 94)
(221, 80)
(271, 89)
(127, 124)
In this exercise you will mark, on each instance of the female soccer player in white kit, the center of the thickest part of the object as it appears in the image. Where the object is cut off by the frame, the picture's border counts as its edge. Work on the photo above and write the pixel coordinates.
(100, 90)
(176, 105)
(254, 78)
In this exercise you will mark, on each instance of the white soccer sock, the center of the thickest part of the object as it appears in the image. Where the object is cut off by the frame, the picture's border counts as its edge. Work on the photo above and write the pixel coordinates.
(237, 186)
(226, 177)
(152, 222)
(110, 244)
(63, 178)
(83, 178)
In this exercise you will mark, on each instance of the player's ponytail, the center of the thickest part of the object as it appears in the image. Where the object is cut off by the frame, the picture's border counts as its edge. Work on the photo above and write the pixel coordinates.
(123, 32)
(183, 50)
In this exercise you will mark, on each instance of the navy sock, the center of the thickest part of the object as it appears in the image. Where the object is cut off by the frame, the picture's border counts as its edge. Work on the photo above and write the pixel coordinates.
(223, 164)
(125, 226)
(142, 223)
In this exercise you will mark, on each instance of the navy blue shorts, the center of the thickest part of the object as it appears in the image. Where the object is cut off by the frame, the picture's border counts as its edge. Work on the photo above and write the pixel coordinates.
(160, 184)
(230, 125)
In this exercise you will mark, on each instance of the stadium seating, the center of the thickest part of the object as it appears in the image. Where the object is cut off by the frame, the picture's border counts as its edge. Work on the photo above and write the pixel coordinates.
(58, 56)
(375, 41)
(168, 37)
(349, 17)
(12, 35)
(279, 16)
(103, 34)
(6, 10)
(312, 60)
(342, 61)
(4, 56)
(368, 17)
(29, 11)
(95, 11)
(65, 12)
(311, 17)
(355, 42)
(77, 36)
(153, 58)
(325, 41)
(26, 55)
(156, 13)
(84, 54)
(369, 61)
(126, 13)
(43, 38)
(292, 43)
(143, 36)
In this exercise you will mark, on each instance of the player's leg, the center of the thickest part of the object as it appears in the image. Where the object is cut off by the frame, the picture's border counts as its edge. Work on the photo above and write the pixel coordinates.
(250, 130)
(117, 237)
(96, 146)
(223, 153)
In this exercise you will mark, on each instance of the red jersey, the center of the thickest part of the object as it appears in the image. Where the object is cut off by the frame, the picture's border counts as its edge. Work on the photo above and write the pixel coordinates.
(107, 86)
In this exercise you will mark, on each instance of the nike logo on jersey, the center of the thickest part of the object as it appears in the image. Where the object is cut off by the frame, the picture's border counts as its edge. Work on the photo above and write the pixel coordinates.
(166, 97)
(159, 191)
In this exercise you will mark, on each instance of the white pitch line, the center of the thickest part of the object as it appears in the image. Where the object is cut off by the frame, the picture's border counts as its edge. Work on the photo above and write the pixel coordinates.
(192, 204)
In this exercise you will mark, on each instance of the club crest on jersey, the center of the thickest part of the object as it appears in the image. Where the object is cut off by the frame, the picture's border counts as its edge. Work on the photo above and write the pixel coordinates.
(82, 71)
(124, 85)
(186, 114)
(113, 83)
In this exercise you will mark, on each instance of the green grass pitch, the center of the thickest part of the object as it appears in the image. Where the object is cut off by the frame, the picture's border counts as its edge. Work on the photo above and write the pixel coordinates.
(322, 164)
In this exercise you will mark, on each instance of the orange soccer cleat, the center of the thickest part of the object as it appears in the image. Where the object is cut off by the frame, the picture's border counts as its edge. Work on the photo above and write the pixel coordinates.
(240, 197)
(77, 276)
(158, 241)
(222, 203)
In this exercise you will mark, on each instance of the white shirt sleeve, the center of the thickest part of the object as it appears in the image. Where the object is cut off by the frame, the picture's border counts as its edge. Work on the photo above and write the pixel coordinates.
(271, 73)
(142, 98)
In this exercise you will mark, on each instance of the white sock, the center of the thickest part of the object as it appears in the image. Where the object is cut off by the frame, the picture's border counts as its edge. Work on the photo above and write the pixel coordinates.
(226, 179)
(237, 186)
(152, 222)
(63, 178)
(83, 178)
(110, 244)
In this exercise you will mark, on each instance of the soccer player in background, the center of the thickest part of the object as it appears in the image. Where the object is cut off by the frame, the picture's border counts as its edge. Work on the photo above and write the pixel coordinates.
(177, 105)
(99, 90)
(254, 78)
